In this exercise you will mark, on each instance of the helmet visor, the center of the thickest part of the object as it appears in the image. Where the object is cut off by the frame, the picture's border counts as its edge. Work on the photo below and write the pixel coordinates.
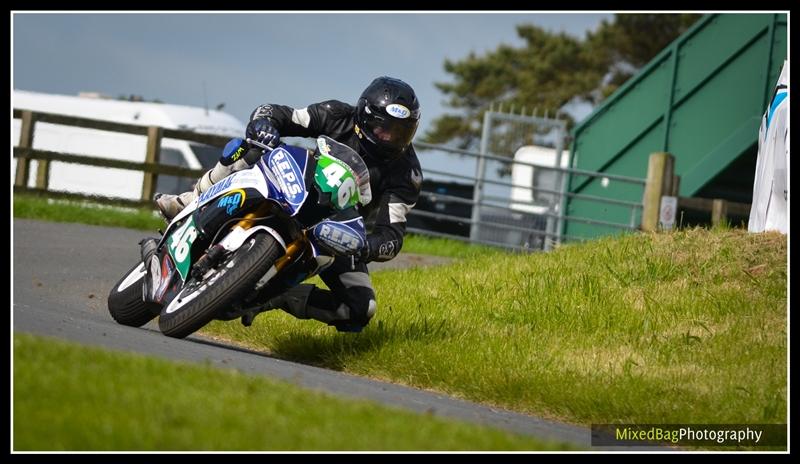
(391, 133)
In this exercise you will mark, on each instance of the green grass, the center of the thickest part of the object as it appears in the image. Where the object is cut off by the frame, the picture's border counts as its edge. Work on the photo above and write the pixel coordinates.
(68, 397)
(683, 327)
(85, 212)
(413, 243)
(28, 206)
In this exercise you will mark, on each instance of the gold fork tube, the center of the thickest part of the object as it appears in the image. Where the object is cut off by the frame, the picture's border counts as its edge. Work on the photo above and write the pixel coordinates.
(293, 250)
(247, 221)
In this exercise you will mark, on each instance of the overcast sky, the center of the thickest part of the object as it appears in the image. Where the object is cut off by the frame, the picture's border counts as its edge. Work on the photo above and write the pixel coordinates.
(248, 59)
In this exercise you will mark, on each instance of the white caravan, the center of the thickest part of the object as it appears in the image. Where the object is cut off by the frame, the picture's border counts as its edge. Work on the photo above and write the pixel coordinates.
(525, 176)
(120, 183)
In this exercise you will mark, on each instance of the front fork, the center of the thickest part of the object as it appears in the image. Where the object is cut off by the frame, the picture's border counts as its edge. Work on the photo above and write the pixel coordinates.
(293, 251)
(216, 252)
(270, 284)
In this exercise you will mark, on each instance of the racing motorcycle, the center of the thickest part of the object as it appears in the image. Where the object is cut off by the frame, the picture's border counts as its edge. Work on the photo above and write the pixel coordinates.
(250, 237)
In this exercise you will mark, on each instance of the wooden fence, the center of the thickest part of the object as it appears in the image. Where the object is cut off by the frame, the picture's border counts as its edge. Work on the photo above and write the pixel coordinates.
(151, 167)
(661, 179)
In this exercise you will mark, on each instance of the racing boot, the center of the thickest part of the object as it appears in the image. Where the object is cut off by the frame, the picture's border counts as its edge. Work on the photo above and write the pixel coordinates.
(170, 205)
(296, 301)
(230, 162)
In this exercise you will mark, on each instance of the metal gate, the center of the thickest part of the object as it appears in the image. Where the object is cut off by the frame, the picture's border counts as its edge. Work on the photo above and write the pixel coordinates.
(526, 213)
(503, 134)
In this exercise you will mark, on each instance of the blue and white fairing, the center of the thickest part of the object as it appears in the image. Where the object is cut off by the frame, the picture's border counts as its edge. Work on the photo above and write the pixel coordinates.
(287, 164)
(340, 237)
(278, 175)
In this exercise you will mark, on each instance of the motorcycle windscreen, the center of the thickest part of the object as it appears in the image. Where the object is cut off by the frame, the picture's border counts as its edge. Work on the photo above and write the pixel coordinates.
(342, 173)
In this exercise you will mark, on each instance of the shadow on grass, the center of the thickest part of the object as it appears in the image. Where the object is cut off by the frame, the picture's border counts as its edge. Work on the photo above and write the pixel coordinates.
(335, 350)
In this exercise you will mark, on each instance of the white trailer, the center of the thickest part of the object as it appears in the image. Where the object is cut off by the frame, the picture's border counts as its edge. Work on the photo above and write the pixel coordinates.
(525, 177)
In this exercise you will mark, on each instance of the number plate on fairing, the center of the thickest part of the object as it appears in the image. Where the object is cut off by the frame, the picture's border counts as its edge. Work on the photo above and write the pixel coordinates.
(180, 246)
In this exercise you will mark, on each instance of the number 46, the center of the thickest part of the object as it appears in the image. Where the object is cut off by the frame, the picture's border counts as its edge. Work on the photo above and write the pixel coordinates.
(333, 175)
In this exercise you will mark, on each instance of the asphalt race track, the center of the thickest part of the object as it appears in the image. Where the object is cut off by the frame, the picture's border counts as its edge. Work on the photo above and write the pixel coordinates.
(62, 274)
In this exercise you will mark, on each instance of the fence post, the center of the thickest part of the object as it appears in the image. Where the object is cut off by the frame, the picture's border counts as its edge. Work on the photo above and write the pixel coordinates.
(480, 173)
(43, 174)
(719, 211)
(676, 186)
(660, 169)
(25, 141)
(562, 187)
(154, 134)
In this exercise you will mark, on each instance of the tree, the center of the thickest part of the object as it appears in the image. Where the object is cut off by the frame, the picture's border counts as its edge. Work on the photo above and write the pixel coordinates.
(550, 71)
(631, 41)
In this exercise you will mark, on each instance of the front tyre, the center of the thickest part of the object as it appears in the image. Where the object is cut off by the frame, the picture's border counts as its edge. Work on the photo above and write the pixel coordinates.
(125, 302)
(199, 301)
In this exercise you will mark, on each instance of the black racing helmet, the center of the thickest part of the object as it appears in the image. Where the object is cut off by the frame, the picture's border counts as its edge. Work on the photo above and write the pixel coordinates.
(387, 116)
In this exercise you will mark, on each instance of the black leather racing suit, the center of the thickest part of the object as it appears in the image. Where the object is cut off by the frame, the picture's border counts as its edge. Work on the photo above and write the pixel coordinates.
(395, 185)
(395, 189)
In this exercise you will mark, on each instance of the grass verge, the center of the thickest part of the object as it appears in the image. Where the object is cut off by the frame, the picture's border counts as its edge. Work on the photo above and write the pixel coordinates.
(684, 327)
(28, 206)
(93, 399)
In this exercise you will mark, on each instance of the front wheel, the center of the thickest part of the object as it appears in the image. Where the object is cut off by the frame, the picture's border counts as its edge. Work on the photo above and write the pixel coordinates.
(199, 301)
(125, 302)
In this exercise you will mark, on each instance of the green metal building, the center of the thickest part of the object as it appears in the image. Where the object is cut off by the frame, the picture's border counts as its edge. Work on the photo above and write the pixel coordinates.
(700, 99)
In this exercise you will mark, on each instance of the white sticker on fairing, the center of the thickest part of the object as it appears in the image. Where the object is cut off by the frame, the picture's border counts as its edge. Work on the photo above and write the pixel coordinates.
(398, 111)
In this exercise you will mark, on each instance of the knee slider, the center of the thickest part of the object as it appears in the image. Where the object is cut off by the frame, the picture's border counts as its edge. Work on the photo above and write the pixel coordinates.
(358, 319)
(373, 306)
(362, 312)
